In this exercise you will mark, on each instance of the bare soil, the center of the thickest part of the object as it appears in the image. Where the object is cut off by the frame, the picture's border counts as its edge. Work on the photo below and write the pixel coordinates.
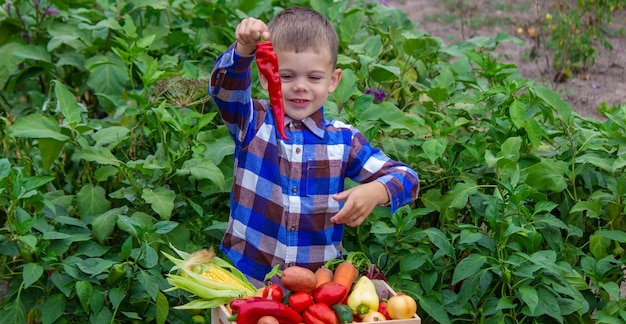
(458, 20)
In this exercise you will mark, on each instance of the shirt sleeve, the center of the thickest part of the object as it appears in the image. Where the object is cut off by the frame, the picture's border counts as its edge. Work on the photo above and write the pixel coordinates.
(230, 87)
(367, 164)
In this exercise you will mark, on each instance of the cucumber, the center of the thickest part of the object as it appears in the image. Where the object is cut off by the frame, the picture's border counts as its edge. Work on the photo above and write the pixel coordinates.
(343, 312)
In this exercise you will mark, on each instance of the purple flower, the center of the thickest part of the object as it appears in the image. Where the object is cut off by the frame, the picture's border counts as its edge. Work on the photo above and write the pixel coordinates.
(383, 3)
(51, 11)
(379, 95)
(9, 8)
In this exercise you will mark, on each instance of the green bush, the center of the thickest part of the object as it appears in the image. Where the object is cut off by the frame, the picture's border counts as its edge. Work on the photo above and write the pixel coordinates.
(111, 151)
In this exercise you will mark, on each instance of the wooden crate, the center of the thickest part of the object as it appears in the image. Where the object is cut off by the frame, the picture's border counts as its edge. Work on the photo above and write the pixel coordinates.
(219, 315)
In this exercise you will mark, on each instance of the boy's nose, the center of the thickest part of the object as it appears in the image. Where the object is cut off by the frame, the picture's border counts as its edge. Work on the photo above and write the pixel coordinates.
(299, 85)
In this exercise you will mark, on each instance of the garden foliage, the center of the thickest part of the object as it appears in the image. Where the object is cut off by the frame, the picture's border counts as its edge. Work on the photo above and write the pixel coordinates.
(111, 151)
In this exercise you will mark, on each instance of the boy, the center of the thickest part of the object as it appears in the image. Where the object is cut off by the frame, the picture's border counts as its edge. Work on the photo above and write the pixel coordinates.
(288, 204)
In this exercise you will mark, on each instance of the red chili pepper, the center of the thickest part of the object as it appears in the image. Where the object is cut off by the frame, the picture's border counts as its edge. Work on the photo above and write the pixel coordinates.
(250, 312)
(319, 314)
(267, 62)
(382, 308)
(273, 292)
(330, 293)
(300, 300)
(237, 302)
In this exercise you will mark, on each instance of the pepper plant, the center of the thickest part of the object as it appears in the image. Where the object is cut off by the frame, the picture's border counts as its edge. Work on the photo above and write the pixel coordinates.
(111, 151)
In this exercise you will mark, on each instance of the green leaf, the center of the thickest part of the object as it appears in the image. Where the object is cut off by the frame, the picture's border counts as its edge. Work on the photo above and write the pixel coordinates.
(29, 240)
(545, 175)
(32, 272)
(534, 131)
(598, 245)
(53, 307)
(108, 74)
(33, 52)
(66, 103)
(149, 283)
(5, 168)
(528, 294)
(350, 24)
(391, 115)
(440, 240)
(469, 266)
(149, 257)
(104, 224)
(37, 126)
(517, 112)
(161, 200)
(50, 150)
(110, 135)
(94, 266)
(164, 227)
(433, 307)
(201, 169)
(555, 101)
(96, 154)
(458, 196)
(116, 296)
(434, 148)
(162, 308)
(84, 290)
(13, 312)
(382, 73)
(615, 235)
(592, 207)
(347, 87)
(605, 164)
(92, 200)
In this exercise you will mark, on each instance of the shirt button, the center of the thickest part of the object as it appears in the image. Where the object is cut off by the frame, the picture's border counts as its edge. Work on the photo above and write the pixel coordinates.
(294, 190)
(293, 228)
(298, 150)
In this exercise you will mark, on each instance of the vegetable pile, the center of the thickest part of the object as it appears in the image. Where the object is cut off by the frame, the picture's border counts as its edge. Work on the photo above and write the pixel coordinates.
(342, 291)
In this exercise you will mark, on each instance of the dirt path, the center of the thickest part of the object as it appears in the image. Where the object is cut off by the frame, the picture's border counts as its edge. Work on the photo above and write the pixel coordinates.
(457, 20)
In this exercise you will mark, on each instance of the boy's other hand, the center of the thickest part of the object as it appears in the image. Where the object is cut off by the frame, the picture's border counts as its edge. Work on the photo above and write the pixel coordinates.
(360, 201)
(248, 34)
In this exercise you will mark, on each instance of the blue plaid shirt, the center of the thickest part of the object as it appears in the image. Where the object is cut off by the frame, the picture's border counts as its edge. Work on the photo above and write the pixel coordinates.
(281, 200)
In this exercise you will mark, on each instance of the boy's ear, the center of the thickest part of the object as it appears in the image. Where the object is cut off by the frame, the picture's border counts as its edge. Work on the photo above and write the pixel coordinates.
(263, 81)
(334, 80)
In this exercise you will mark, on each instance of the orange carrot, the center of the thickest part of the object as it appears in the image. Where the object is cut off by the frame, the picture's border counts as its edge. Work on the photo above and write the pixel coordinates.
(323, 275)
(345, 274)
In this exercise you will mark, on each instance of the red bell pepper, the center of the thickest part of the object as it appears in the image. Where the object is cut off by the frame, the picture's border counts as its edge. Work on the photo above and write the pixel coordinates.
(300, 300)
(237, 302)
(250, 311)
(267, 63)
(329, 293)
(382, 308)
(319, 314)
(273, 292)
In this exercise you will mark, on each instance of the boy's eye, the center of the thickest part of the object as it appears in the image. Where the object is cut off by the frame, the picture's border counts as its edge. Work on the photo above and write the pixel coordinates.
(315, 78)
(286, 76)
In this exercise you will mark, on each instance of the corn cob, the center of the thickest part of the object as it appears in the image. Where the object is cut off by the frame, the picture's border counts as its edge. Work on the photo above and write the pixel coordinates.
(216, 273)
(208, 277)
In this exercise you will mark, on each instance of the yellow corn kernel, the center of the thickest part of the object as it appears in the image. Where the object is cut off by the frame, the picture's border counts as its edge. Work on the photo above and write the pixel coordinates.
(216, 273)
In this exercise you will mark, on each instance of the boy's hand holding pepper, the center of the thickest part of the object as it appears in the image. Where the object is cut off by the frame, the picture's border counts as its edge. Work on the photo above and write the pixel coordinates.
(248, 34)
(360, 201)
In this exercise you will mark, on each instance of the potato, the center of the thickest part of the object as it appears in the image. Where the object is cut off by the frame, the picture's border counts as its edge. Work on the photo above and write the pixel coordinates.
(296, 278)
(267, 320)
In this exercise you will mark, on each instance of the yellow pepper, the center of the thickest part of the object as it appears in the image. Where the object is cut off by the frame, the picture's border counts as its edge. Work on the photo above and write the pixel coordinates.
(363, 298)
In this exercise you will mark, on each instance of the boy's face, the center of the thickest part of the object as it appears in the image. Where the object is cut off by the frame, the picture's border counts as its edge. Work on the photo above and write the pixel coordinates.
(307, 79)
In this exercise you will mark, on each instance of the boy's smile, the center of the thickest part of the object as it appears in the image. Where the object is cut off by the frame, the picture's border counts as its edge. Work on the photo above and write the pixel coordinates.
(307, 78)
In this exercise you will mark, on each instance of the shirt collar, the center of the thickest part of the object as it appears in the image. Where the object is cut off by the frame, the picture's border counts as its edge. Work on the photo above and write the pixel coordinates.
(315, 123)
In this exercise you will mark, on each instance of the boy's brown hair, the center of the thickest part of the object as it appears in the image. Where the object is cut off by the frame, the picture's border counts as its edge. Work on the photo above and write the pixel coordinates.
(300, 29)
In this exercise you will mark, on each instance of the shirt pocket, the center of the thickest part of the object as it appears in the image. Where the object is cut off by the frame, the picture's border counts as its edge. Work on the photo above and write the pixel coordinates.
(324, 178)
